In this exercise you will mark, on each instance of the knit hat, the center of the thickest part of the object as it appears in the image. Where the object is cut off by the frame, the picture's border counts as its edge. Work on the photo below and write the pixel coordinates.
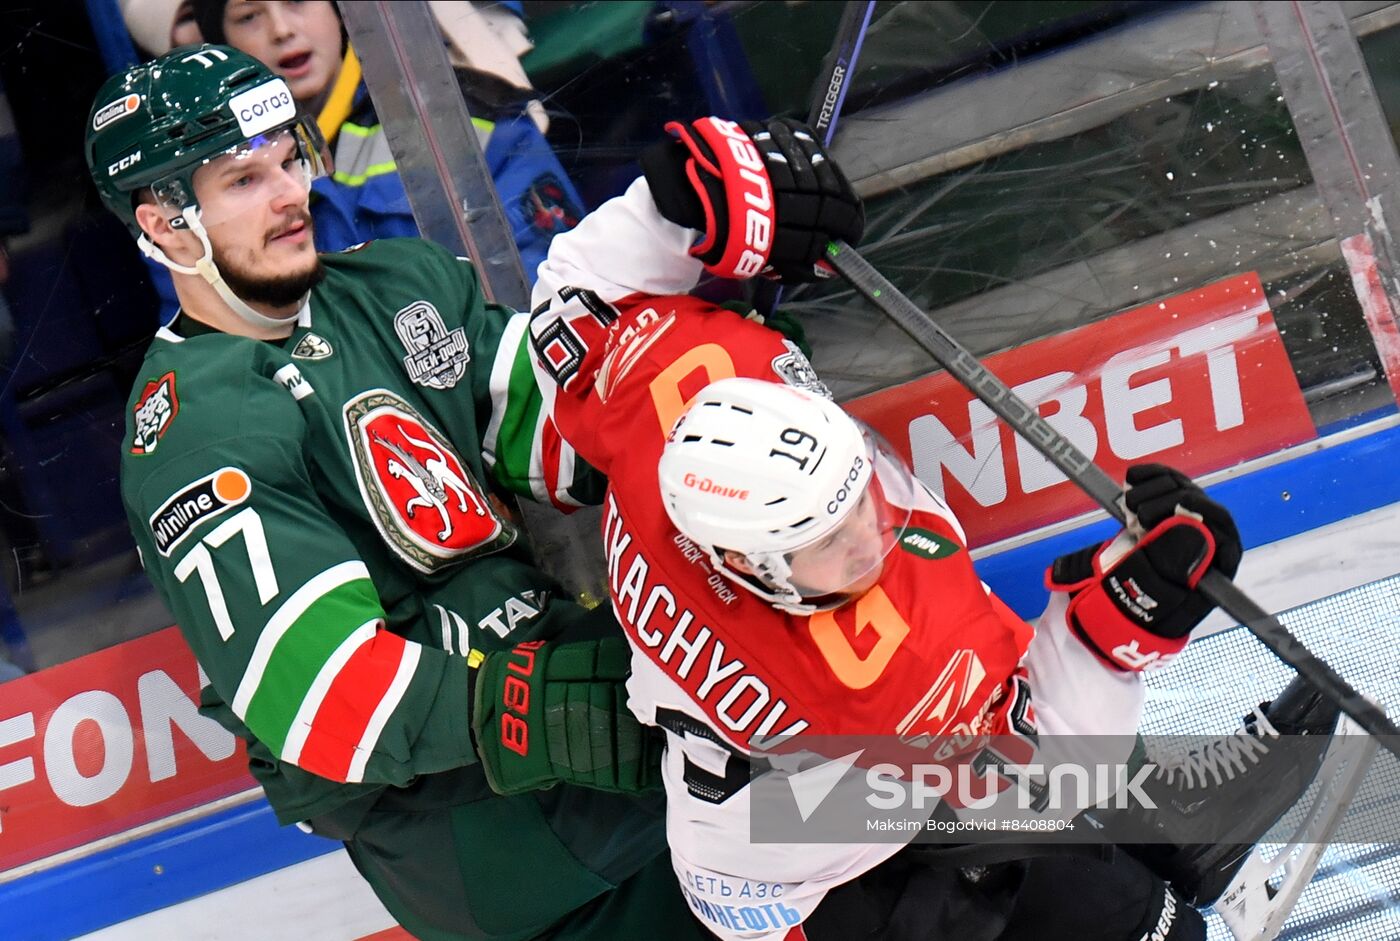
(149, 22)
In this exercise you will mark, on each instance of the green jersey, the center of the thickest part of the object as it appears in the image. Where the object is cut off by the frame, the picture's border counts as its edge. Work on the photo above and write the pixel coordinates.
(305, 508)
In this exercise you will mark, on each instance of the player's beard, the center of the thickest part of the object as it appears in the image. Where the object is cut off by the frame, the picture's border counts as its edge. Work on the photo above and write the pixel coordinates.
(280, 290)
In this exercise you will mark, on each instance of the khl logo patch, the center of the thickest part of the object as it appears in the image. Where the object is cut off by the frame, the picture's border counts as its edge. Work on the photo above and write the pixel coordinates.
(312, 347)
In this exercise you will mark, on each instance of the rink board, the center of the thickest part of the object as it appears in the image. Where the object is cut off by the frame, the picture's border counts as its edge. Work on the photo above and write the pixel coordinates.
(1321, 487)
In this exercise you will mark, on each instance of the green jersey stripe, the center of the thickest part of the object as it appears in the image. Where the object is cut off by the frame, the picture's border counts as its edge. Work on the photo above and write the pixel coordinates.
(301, 655)
(509, 346)
(301, 724)
(512, 435)
(284, 617)
(380, 718)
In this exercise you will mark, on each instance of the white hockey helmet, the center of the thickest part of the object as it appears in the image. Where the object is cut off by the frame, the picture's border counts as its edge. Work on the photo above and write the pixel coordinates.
(811, 499)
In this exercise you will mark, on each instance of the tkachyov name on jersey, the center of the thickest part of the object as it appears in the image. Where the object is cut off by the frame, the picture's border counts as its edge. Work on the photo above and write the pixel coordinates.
(740, 700)
(202, 500)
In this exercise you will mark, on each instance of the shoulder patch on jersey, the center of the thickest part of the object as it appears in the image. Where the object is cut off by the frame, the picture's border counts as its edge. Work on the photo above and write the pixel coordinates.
(629, 348)
(153, 412)
(424, 500)
(437, 358)
(194, 503)
(794, 369)
(312, 347)
(927, 544)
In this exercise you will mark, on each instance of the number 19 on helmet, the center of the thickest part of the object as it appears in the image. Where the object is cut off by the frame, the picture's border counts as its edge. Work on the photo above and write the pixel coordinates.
(794, 499)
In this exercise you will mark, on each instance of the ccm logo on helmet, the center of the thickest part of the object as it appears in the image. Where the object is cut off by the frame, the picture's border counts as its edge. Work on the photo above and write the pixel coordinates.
(758, 218)
(129, 160)
(844, 491)
(706, 485)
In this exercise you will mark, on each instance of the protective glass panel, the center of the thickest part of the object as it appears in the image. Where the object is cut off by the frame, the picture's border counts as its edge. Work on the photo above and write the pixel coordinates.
(1095, 216)
(1112, 197)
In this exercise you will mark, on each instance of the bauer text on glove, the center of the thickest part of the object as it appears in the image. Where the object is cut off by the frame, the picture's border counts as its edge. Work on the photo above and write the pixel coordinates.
(765, 197)
(550, 712)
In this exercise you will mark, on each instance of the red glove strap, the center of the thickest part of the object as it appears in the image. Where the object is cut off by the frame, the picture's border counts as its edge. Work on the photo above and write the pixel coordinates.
(747, 191)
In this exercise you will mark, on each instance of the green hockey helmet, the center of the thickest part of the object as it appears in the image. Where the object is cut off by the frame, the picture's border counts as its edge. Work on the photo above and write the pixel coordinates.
(155, 124)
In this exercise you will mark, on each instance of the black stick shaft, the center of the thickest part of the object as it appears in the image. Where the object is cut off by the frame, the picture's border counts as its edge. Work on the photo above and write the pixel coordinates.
(831, 94)
(1026, 421)
(827, 99)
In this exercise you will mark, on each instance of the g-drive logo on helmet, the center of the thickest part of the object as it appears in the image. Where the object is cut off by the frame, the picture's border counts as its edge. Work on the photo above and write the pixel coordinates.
(263, 108)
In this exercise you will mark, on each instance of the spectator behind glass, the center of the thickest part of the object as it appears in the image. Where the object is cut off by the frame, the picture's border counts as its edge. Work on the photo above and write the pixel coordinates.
(364, 199)
(157, 26)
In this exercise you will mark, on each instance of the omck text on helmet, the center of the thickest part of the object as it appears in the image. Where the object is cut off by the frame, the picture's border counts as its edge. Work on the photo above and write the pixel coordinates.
(811, 499)
(155, 124)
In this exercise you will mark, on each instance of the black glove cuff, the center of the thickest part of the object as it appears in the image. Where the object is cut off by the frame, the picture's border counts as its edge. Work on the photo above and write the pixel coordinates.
(663, 165)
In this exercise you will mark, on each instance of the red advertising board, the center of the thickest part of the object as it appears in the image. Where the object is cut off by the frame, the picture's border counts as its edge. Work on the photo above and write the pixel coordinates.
(1199, 381)
(107, 742)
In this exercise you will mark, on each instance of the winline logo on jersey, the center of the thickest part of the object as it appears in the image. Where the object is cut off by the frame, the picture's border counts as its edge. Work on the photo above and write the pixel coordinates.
(1056, 789)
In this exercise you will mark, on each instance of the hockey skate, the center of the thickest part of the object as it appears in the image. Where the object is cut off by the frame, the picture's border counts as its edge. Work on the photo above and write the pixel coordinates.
(1214, 803)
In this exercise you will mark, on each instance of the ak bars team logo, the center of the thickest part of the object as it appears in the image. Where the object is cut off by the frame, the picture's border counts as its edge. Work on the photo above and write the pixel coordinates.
(423, 499)
(153, 412)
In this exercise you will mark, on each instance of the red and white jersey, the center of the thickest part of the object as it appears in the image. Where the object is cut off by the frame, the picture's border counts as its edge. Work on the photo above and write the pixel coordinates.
(927, 652)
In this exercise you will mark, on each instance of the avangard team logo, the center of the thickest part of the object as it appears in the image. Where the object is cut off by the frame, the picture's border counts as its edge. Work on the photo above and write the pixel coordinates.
(424, 500)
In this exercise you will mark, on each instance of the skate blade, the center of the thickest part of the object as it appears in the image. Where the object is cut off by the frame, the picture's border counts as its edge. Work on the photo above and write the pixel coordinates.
(1255, 908)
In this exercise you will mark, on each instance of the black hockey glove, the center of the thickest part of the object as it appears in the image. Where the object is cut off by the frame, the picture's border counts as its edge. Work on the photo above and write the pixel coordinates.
(547, 712)
(766, 196)
(1135, 603)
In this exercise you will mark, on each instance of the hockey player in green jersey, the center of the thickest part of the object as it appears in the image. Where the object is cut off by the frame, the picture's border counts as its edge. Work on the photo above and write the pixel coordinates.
(311, 469)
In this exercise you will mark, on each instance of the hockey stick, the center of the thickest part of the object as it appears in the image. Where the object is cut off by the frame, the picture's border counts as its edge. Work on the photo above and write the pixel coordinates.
(1096, 483)
(1253, 909)
(831, 94)
(828, 97)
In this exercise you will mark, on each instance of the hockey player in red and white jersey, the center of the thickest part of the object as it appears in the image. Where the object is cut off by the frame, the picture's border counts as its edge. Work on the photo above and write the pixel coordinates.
(780, 573)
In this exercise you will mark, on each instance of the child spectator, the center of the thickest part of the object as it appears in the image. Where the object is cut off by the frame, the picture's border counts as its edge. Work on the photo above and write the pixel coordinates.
(365, 199)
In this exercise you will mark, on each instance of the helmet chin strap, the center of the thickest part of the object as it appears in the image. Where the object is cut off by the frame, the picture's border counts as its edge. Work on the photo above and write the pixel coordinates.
(209, 271)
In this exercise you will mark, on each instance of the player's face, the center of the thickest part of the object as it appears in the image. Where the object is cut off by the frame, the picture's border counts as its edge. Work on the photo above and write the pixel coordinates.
(299, 41)
(847, 560)
(253, 203)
